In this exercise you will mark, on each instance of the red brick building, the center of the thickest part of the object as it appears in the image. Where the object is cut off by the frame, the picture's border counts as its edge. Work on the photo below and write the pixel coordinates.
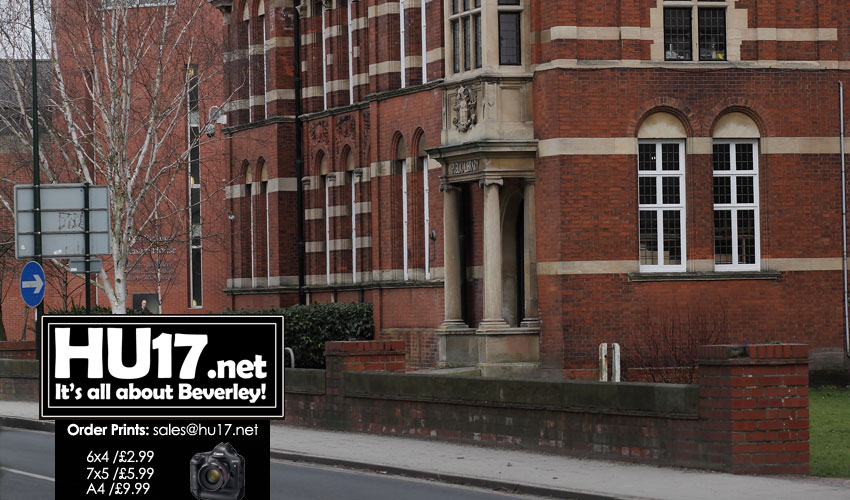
(514, 182)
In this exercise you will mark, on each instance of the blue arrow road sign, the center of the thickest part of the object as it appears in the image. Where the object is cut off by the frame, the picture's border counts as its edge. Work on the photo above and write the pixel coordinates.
(32, 284)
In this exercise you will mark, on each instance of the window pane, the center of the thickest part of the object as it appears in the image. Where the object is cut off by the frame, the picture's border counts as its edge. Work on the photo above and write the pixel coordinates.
(648, 237)
(195, 205)
(723, 237)
(508, 2)
(197, 285)
(476, 24)
(744, 190)
(677, 34)
(746, 237)
(456, 46)
(744, 156)
(509, 38)
(722, 189)
(712, 34)
(670, 190)
(454, 6)
(672, 237)
(669, 157)
(477, 3)
(465, 5)
(647, 194)
(466, 42)
(646, 157)
(722, 158)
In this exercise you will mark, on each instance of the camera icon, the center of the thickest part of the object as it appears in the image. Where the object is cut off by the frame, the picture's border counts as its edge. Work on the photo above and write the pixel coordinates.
(218, 474)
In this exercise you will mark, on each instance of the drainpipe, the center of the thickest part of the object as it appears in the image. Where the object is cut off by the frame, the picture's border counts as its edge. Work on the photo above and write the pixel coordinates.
(299, 158)
(844, 220)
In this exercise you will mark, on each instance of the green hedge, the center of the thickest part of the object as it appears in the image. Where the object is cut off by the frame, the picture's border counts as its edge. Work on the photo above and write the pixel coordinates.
(307, 328)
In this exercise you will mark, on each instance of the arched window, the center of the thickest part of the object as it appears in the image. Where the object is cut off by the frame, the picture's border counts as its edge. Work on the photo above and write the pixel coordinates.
(422, 166)
(324, 171)
(399, 208)
(350, 167)
(661, 193)
(735, 167)
(248, 249)
(261, 229)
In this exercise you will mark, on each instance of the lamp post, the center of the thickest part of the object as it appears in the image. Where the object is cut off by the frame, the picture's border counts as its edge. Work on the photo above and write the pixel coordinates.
(36, 181)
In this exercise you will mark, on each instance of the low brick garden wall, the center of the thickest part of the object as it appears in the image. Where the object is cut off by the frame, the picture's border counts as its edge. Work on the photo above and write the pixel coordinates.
(19, 380)
(748, 415)
(17, 349)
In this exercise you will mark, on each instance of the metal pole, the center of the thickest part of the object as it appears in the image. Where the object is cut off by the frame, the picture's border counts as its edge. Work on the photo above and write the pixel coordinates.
(86, 229)
(843, 219)
(36, 181)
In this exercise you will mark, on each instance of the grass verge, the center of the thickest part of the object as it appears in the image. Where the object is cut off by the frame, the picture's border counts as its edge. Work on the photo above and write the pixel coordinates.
(829, 419)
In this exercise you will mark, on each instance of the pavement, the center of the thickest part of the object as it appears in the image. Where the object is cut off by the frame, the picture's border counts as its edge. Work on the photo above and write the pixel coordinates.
(509, 470)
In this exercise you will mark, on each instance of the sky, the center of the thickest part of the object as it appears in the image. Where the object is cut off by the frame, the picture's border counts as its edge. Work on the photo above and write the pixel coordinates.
(15, 29)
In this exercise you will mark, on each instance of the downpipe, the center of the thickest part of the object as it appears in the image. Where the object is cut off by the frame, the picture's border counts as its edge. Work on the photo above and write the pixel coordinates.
(843, 219)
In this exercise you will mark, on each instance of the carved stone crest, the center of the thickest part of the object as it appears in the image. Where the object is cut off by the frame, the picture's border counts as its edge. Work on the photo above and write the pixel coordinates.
(319, 132)
(465, 103)
(346, 126)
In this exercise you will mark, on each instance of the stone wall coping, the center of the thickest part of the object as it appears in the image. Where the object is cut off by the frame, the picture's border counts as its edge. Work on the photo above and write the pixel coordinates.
(304, 381)
(365, 347)
(754, 354)
(19, 368)
(666, 400)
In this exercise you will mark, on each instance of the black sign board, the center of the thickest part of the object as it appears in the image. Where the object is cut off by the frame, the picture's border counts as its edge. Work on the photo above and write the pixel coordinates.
(162, 366)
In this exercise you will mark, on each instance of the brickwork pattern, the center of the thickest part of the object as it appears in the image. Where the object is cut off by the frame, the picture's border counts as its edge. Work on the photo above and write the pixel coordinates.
(752, 414)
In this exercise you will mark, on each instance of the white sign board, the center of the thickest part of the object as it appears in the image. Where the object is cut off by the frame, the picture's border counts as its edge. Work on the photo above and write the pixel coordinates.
(62, 221)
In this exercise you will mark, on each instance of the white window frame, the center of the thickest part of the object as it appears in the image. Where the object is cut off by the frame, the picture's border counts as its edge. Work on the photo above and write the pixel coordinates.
(427, 216)
(402, 45)
(405, 217)
(659, 207)
(424, 29)
(324, 59)
(265, 76)
(734, 206)
(265, 185)
(350, 56)
(251, 208)
(250, 75)
(327, 181)
(352, 177)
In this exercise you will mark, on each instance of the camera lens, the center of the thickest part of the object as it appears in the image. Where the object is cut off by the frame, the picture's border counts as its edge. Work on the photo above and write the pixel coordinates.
(212, 477)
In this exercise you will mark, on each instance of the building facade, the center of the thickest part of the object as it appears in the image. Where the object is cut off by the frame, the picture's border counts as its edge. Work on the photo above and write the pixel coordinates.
(513, 182)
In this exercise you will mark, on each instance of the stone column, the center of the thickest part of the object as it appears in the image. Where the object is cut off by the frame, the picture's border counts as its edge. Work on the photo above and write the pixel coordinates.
(451, 250)
(492, 256)
(531, 318)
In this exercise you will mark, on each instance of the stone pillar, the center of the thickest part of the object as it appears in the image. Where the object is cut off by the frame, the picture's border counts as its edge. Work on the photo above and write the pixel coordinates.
(492, 256)
(531, 318)
(451, 247)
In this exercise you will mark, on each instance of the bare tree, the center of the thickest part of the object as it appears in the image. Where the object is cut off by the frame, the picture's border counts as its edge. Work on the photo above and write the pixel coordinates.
(115, 109)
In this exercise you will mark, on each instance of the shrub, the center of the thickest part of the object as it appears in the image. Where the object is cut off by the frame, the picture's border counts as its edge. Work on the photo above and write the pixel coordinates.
(75, 309)
(665, 346)
(307, 328)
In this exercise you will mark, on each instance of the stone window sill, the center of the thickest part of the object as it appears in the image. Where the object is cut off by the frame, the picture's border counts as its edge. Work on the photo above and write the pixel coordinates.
(706, 276)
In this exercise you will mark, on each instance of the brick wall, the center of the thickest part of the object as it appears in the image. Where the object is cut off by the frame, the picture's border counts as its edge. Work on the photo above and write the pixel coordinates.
(754, 407)
(750, 415)
(17, 350)
(19, 380)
